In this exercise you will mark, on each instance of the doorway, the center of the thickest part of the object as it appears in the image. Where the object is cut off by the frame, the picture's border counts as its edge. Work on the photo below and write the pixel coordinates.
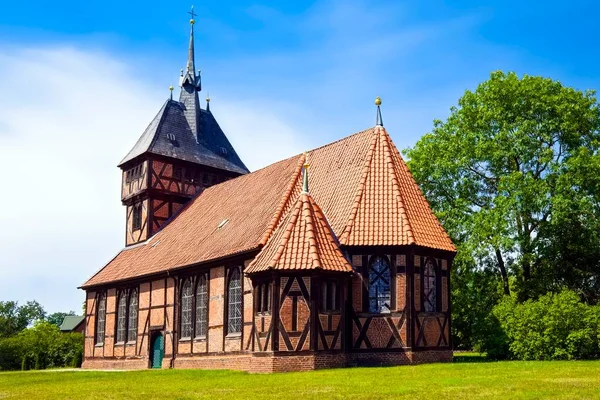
(157, 350)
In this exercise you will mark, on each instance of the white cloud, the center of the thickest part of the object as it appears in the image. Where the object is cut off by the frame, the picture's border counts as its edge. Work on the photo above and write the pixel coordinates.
(67, 116)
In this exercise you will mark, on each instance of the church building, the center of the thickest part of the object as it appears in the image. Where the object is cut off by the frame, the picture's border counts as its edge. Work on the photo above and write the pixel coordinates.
(326, 259)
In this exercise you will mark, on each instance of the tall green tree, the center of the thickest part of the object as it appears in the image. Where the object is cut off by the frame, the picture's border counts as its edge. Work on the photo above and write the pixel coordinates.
(516, 160)
(15, 318)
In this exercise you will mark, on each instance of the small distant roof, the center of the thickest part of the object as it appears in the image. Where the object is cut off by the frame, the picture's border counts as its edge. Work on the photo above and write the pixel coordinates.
(71, 322)
(169, 134)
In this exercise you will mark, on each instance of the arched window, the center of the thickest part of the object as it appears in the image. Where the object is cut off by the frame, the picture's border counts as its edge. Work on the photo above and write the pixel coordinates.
(121, 317)
(133, 316)
(234, 297)
(201, 307)
(186, 309)
(429, 287)
(100, 318)
(379, 285)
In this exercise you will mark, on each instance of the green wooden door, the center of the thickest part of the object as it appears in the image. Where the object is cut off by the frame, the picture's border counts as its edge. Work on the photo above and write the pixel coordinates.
(158, 351)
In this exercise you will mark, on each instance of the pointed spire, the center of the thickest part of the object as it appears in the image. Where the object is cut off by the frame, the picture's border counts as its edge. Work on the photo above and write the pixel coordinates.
(190, 76)
(190, 86)
(305, 175)
(379, 119)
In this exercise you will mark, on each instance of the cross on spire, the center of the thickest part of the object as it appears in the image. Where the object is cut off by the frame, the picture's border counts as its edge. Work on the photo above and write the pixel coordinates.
(192, 13)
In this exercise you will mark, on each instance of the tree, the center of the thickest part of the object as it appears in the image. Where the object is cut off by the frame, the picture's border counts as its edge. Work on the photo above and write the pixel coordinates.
(514, 161)
(15, 318)
(58, 317)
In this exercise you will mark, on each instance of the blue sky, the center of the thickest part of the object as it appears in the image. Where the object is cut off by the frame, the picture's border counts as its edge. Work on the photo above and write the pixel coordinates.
(79, 81)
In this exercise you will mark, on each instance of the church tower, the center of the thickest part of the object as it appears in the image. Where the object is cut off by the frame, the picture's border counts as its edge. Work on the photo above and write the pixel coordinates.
(182, 151)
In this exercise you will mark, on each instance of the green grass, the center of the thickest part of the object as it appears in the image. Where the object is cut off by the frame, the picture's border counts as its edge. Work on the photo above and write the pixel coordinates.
(464, 379)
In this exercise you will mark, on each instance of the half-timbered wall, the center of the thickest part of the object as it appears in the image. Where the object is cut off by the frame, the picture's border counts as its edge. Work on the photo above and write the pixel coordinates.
(296, 322)
(182, 179)
(379, 331)
(159, 313)
(431, 329)
(135, 180)
(407, 325)
(142, 233)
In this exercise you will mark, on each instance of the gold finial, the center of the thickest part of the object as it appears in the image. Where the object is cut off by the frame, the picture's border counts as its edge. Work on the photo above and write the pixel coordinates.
(378, 101)
(171, 88)
(207, 98)
(305, 174)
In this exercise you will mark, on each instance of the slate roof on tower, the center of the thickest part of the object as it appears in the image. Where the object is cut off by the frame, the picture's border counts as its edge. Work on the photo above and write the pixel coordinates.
(169, 134)
(360, 183)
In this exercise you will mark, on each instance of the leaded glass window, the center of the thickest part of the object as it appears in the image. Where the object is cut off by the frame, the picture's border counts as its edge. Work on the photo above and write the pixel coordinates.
(100, 318)
(133, 316)
(429, 286)
(379, 285)
(121, 318)
(201, 307)
(234, 315)
(187, 296)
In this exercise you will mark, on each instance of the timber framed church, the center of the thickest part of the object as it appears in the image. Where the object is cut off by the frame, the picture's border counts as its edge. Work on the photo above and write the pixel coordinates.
(275, 270)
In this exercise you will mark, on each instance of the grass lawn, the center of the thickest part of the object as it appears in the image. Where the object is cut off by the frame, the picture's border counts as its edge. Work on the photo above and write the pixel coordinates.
(467, 378)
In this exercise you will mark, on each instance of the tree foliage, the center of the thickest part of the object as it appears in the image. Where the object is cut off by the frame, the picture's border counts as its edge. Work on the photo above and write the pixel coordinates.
(41, 346)
(556, 326)
(513, 168)
(15, 318)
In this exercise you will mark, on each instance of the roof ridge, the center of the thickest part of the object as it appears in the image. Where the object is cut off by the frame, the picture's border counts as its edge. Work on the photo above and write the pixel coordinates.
(294, 214)
(284, 200)
(387, 149)
(313, 245)
(361, 188)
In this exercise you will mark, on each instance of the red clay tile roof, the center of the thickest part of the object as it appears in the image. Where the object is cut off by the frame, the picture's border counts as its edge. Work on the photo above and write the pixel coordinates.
(303, 241)
(360, 182)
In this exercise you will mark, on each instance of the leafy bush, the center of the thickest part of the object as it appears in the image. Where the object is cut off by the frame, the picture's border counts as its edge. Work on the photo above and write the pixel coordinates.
(554, 327)
(42, 346)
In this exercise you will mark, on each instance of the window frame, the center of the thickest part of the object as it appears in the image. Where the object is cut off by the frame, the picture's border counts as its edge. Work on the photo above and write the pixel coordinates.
(121, 311)
(264, 299)
(191, 309)
(425, 293)
(101, 300)
(133, 295)
(136, 217)
(330, 299)
(201, 335)
(390, 273)
(230, 329)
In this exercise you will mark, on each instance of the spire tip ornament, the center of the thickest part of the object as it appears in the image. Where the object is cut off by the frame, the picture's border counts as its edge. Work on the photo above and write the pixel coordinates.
(305, 173)
(379, 121)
